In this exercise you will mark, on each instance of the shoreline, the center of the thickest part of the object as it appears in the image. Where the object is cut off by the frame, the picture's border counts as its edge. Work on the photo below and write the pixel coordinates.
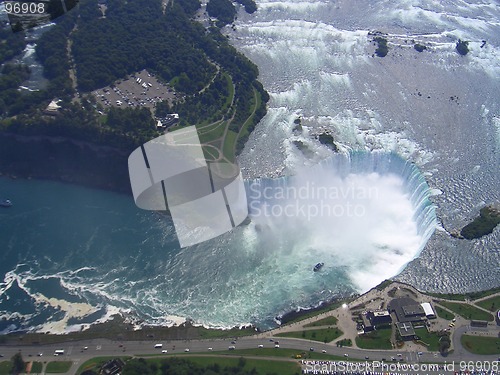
(120, 328)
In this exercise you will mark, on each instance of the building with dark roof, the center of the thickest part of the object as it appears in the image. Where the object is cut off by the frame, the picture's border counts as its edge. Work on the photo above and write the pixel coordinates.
(372, 319)
(406, 310)
(379, 317)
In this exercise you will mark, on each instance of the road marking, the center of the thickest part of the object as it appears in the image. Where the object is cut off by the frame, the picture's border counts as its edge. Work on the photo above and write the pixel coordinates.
(98, 347)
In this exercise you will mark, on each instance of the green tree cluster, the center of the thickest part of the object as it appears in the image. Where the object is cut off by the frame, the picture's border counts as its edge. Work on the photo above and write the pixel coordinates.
(382, 48)
(223, 10)
(11, 44)
(484, 224)
(207, 106)
(133, 36)
(249, 5)
(136, 35)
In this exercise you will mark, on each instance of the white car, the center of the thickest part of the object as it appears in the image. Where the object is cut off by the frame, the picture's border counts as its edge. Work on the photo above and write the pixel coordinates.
(260, 346)
(210, 349)
(186, 350)
(323, 351)
(164, 351)
(277, 346)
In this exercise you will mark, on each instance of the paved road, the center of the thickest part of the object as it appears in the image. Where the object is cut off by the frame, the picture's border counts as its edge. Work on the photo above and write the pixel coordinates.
(74, 350)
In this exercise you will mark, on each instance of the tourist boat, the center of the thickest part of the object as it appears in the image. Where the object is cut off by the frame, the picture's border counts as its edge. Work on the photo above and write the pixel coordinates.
(5, 203)
(318, 266)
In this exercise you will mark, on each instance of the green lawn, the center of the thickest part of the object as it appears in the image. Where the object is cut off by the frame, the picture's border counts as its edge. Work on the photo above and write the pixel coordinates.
(262, 366)
(442, 313)
(209, 134)
(36, 367)
(229, 145)
(95, 363)
(5, 367)
(328, 321)
(379, 339)
(492, 304)
(481, 345)
(58, 367)
(462, 297)
(467, 311)
(322, 335)
(431, 339)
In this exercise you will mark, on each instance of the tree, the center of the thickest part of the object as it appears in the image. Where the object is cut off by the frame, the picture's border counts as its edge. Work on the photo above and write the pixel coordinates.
(17, 364)
(444, 344)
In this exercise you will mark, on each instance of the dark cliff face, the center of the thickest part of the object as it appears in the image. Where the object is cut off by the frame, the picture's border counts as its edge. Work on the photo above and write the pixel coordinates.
(64, 160)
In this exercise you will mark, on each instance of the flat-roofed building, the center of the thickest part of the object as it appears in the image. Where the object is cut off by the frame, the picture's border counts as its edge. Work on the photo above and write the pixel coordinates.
(406, 330)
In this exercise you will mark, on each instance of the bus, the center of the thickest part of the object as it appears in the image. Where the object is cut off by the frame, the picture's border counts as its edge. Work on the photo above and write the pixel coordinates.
(59, 352)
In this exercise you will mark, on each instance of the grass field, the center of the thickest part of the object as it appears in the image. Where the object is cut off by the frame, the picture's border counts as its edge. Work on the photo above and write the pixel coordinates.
(442, 313)
(58, 367)
(36, 367)
(380, 339)
(462, 297)
(431, 339)
(262, 366)
(322, 335)
(95, 363)
(328, 321)
(481, 345)
(492, 304)
(467, 311)
(229, 145)
(5, 367)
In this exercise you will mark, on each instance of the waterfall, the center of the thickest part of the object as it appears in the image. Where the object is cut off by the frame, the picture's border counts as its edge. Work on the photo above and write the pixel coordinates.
(352, 206)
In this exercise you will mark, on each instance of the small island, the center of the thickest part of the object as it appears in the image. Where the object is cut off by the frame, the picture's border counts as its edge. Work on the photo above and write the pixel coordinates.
(462, 47)
(485, 223)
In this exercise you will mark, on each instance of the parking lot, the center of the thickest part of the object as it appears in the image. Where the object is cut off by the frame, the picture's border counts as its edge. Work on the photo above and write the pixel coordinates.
(137, 90)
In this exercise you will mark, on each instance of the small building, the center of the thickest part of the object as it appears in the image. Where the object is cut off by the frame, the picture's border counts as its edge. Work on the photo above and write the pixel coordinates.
(406, 330)
(167, 121)
(379, 317)
(367, 325)
(428, 310)
(53, 107)
(112, 367)
(372, 319)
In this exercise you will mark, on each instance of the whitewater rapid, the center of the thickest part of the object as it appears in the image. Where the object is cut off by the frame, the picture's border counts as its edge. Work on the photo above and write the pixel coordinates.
(436, 108)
